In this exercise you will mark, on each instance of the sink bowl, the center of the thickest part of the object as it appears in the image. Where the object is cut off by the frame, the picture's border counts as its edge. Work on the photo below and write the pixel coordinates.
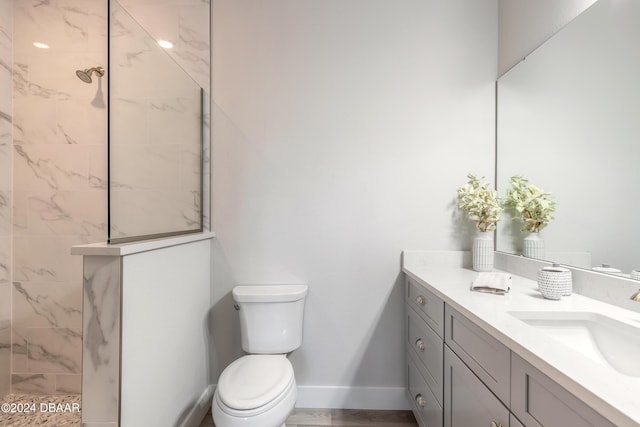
(600, 338)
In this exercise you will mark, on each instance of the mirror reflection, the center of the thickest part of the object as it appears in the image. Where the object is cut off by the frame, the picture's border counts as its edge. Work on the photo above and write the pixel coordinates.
(569, 121)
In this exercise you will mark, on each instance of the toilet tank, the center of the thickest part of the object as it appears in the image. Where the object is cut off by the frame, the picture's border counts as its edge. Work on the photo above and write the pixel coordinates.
(271, 317)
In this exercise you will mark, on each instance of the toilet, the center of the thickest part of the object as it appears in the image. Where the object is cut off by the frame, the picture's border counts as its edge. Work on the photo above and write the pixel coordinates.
(259, 389)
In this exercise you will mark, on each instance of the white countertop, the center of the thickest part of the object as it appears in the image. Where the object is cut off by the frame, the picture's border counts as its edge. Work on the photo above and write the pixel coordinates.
(614, 395)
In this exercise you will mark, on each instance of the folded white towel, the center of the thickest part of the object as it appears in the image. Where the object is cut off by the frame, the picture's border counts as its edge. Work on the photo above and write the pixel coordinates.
(492, 282)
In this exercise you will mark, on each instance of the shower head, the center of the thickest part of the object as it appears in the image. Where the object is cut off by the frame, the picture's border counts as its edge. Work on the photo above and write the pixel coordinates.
(85, 75)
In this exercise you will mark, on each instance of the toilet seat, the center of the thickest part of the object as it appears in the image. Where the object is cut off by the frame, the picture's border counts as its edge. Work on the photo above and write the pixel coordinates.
(254, 384)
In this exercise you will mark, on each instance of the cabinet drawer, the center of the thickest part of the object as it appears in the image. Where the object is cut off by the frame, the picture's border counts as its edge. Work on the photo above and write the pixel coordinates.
(426, 408)
(427, 304)
(426, 345)
(484, 355)
(467, 402)
(539, 401)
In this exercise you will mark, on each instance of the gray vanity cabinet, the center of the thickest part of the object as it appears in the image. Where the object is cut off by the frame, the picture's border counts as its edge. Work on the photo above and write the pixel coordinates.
(467, 401)
(458, 375)
(484, 355)
(539, 401)
(424, 348)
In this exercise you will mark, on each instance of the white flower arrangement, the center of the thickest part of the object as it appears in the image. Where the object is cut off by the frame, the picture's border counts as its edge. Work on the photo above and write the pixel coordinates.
(480, 203)
(533, 206)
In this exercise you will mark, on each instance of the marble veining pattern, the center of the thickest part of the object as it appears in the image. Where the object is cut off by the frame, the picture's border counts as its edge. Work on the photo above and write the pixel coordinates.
(183, 22)
(76, 213)
(48, 305)
(54, 350)
(41, 384)
(101, 339)
(58, 195)
(6, 136)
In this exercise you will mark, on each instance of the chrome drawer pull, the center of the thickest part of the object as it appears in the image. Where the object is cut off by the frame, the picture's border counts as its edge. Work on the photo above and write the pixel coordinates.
(420, 344)
(420, 401)
(421, 300)
(494, 424)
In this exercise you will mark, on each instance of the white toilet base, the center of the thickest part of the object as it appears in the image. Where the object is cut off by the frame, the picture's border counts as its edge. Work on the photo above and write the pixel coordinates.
(273, 417)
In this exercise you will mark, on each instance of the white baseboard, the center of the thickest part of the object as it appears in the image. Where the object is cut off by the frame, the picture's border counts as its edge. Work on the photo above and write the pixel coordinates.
(388, 398)
(199, 409)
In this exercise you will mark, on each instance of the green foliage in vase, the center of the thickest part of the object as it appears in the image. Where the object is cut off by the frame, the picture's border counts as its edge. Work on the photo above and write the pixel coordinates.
(480, 203)
(532, 205)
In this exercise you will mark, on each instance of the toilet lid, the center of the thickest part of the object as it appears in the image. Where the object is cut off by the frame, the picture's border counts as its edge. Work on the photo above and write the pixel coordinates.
(255, 380)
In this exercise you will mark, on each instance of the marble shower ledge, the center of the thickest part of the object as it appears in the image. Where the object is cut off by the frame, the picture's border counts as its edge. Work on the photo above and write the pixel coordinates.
(112, 285)
(122, 249)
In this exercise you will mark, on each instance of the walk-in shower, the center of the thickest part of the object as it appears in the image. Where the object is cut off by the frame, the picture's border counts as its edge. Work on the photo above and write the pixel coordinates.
(54, 177)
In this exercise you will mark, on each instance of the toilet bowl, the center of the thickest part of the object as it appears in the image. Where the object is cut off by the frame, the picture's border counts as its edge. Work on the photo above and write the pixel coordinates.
(255, 391)
(259, 389)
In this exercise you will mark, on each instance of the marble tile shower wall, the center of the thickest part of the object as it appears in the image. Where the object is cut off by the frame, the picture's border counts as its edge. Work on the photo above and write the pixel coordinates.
(53, 178)
(59, 185)
(183, 22)
(5, 192)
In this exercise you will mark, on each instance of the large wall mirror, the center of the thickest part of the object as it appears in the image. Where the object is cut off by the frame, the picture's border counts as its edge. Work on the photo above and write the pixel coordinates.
(159, 78)
(569, 121)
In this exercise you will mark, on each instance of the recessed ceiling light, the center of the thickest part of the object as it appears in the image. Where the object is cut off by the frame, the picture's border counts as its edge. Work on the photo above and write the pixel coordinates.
(41, 45)
(165, 44)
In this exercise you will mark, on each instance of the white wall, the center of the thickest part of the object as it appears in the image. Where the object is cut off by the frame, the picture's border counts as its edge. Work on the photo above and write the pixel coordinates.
(341, 130)
(526, 24)
(165, 336)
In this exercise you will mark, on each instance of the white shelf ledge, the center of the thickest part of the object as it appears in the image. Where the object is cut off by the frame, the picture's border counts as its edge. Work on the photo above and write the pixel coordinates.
(122, 249)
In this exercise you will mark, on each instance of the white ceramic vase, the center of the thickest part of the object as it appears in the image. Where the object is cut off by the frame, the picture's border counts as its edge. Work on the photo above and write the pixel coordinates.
(482, 251)
(533, 246)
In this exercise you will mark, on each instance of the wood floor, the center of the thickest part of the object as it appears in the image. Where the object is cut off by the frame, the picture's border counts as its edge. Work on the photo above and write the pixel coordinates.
(342, 417)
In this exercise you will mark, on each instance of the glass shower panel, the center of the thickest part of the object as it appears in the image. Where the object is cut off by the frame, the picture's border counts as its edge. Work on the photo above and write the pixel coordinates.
(155, 137)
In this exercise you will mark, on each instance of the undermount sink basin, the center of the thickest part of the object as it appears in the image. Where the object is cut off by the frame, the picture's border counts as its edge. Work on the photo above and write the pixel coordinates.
(600, 338)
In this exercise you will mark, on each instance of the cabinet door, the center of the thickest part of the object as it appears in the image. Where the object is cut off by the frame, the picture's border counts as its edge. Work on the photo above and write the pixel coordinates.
(483, 354)
(467, 402)
(425, 407)
(540, 402)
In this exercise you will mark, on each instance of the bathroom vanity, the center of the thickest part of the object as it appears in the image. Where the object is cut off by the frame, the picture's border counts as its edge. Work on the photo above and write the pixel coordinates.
(476, 359)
